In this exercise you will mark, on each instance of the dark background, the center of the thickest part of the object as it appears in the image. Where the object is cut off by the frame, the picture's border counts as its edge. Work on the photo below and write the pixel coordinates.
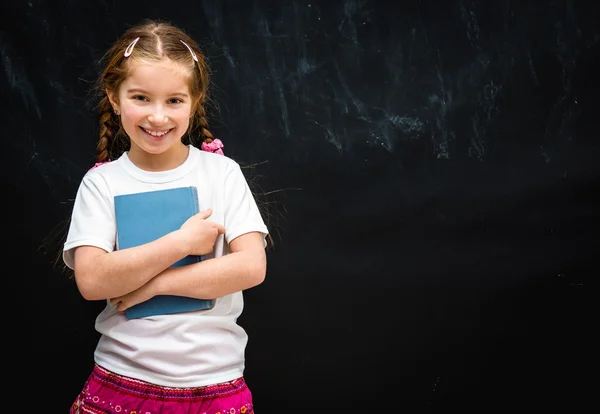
(437, 163)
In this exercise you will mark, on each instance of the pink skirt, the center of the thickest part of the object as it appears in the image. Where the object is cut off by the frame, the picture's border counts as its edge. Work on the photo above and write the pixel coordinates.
(106, 392)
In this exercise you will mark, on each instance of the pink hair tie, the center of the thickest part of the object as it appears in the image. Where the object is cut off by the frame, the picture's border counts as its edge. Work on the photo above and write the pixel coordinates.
(214, 146)
(98, 164)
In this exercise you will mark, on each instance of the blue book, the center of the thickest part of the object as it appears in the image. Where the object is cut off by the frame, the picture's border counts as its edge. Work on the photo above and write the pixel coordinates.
(147, 216)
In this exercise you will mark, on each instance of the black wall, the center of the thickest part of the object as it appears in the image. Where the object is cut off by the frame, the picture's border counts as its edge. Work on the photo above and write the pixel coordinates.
(434, 231)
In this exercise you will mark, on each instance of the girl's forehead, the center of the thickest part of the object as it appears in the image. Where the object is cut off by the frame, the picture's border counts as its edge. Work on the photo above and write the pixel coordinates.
(163, 75)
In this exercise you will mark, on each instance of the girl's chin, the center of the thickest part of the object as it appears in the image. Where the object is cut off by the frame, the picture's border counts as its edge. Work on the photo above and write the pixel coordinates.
(156, 147)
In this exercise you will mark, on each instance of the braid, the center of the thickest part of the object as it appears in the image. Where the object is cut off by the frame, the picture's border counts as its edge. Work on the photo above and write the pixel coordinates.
(108, 131)
(206, 134)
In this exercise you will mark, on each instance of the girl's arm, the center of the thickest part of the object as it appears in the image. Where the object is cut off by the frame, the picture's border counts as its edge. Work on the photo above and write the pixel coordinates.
(102, 275)
(244, 267)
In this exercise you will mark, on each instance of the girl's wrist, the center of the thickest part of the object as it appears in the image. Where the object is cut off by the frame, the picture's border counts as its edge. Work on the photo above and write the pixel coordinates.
(156, 284)
(181, 242)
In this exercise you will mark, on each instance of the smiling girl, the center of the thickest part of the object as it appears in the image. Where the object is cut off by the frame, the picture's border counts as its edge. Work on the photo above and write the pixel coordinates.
(153, 91)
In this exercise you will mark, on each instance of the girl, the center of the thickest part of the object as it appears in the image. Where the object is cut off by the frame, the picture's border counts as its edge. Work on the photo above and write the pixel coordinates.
(153, 90)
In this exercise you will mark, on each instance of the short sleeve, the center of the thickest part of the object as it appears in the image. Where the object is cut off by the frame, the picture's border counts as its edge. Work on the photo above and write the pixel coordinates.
(242, 214)
(92, 219)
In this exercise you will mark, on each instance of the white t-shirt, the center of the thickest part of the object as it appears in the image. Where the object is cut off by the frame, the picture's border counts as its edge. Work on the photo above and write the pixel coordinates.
(182, 350)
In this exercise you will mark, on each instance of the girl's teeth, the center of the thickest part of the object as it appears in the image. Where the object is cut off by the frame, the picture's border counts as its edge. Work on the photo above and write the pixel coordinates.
(156, 133)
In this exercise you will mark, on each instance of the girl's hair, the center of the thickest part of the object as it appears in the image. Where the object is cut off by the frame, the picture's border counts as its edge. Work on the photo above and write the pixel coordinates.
(157, 40)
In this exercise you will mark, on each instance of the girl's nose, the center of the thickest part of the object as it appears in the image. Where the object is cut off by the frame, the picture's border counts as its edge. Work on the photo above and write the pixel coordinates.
(158, 117)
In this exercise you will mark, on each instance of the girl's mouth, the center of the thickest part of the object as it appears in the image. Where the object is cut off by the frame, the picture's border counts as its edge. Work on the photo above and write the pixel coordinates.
(156, 134)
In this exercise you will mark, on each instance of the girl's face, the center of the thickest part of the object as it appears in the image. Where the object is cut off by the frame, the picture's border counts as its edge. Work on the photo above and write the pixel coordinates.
(155, 106)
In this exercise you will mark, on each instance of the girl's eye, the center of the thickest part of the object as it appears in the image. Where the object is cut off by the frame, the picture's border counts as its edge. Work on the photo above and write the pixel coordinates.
(175, 101)
(140, 98)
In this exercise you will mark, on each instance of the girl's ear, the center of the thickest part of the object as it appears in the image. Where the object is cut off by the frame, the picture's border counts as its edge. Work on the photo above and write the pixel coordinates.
(112, 97)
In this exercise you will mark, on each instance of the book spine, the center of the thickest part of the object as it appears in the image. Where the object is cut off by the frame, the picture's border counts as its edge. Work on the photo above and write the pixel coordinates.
(196, 208)
(195, 201)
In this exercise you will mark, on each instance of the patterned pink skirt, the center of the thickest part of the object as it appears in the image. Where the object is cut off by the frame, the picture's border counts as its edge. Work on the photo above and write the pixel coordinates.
(106, 392)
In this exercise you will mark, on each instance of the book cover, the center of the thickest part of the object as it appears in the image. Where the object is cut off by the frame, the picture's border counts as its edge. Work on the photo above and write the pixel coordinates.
(147, 216)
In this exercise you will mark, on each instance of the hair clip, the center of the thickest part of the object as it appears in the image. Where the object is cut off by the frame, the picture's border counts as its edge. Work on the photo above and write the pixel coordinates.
(130, 47)
(190, 49)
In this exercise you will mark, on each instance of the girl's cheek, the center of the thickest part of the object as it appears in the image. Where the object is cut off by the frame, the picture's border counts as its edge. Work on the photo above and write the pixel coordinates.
(134, 112)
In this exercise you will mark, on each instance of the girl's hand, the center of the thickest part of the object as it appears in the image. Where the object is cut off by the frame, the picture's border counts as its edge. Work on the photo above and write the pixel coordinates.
(200, 234)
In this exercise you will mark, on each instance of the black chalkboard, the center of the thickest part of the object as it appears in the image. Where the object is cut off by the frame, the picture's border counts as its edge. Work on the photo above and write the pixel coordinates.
(431, 169)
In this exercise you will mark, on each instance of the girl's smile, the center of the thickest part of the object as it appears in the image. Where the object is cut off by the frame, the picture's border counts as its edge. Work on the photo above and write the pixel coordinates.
(154, 133)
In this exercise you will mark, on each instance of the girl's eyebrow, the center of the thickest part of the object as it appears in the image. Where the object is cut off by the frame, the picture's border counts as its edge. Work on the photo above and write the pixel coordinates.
(137, 90)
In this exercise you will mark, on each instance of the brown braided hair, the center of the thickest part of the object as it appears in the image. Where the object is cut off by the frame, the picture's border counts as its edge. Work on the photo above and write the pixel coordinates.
(157, 40)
